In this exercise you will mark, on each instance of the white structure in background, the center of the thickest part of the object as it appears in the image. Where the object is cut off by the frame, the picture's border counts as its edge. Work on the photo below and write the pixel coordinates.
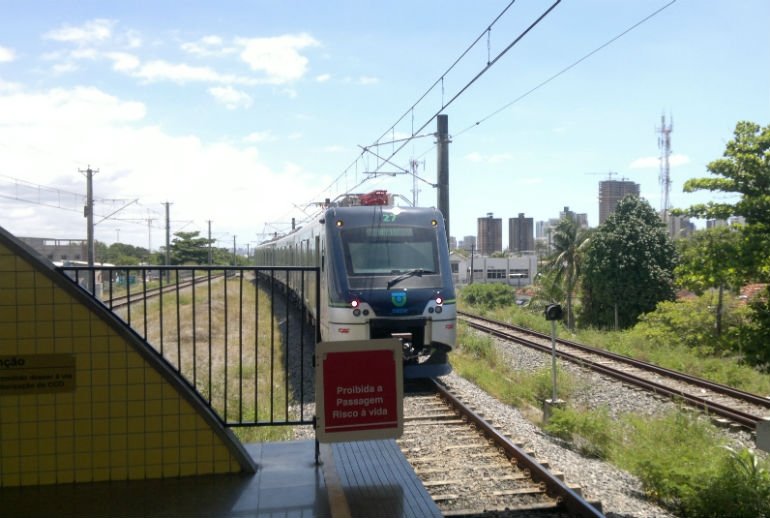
(515, 270)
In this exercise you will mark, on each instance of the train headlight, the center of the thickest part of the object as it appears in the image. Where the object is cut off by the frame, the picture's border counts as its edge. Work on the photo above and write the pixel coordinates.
(439, 300)
(356, 305)
(339, 223)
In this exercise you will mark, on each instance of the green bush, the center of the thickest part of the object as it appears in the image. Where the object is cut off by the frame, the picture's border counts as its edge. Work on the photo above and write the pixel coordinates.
(740, 489)
(591, 432)
(488, 296)
(674, 456)
(692, 323)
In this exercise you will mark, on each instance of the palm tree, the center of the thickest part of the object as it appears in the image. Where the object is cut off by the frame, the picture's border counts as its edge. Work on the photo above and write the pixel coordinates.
(568, 242)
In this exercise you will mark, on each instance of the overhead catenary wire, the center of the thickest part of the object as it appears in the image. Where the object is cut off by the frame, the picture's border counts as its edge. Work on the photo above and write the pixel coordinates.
(444, 105)
(569, 67)
(556, 75)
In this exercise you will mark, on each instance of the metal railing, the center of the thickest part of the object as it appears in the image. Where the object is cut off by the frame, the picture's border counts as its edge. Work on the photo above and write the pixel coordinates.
(236, 335)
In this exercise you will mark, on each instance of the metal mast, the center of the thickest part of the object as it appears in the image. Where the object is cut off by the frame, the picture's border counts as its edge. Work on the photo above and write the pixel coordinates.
(664, 143)
(442, 152)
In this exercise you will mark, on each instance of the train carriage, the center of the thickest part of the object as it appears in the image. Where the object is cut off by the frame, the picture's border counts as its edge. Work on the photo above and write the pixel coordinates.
(385, 272)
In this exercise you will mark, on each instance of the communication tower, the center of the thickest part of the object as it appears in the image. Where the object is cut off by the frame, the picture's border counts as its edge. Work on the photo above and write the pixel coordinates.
(664, 143)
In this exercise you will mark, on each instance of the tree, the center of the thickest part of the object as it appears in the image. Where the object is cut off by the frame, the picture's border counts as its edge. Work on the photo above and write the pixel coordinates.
(744, 170)
(568, 243)
(190, 248)
(628, 266)
(711, 259)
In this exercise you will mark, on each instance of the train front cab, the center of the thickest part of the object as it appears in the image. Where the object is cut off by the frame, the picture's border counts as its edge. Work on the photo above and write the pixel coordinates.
(388, 275)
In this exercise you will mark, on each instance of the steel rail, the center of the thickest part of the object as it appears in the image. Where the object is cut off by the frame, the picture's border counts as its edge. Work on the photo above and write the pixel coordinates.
(744, 419)
(711, 385)
(575, 504)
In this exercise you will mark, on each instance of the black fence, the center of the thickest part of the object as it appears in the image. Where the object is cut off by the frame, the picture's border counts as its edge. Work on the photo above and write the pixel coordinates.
(233, 334)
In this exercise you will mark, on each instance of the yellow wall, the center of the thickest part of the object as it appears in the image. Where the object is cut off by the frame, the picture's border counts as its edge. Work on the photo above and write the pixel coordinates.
(125, 417)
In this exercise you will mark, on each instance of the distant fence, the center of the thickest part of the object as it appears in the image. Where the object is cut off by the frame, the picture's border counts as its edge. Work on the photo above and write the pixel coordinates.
(232, 333)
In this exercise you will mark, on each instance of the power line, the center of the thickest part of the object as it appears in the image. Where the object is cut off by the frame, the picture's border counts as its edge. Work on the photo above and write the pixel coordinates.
(490, 62)
(556, 75)
(568, 68)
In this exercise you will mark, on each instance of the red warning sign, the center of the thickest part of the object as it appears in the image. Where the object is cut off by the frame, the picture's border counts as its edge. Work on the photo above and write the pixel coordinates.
(359, 390)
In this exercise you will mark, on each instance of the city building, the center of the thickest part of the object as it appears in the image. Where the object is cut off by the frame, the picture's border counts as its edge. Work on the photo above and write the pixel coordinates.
(517, 271)
(581, 219)
(611, 192)
(468, 243)
(680, 226)
(490, 234)
(521, 235)
(58, 249)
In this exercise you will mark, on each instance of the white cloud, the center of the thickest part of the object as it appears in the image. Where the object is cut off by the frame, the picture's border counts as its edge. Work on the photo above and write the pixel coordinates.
(51, 134)
(7, 55)
(259, 136)
(64, 68)
(208, 46)
(8, 87)
(278, 57)
(181, 73)
(323, 78)
(651, 162)
(122, 61)
(231, 97)
(93, 31)
(59, 107)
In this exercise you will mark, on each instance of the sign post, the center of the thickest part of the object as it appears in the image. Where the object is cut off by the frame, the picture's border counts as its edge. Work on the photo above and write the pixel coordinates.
(359, 390)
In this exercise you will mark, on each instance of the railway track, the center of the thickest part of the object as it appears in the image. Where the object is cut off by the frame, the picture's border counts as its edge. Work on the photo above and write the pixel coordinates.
(144, 293)
(727, 403)
(470, 469)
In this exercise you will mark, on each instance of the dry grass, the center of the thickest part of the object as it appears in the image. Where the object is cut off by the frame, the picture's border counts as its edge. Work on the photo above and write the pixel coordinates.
(223, 341)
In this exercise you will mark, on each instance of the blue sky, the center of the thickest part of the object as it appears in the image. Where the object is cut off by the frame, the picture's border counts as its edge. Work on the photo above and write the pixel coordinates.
(245, 113)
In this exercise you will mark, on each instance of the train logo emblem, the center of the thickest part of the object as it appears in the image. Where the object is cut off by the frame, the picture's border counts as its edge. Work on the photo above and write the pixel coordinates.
(398, 298)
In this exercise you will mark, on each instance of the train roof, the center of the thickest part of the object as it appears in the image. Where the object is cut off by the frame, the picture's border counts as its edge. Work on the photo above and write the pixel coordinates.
(363, 213)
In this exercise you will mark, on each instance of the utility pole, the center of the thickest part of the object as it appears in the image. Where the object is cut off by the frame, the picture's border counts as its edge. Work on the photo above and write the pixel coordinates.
(168, 239)
(89, 215)
(149, 235)
(442, 150)
(664, 143)
(210, 258)
(168, 232)
(413, 164)
(234, 256)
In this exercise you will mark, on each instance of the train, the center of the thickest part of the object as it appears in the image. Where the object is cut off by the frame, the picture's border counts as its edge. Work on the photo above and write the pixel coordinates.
(384, 272)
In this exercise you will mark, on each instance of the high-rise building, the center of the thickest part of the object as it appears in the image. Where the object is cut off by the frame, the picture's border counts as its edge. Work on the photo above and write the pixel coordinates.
(490, 234)
(521, 236)
(468, 243)
(581, 219)
(611, 192)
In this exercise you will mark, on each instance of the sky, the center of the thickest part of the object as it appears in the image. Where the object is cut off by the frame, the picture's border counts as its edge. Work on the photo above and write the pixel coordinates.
(239, 116)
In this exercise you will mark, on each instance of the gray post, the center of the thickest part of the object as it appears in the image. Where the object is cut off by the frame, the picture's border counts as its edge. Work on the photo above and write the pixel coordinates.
(554, 397)
(89, 214)
(442, 151)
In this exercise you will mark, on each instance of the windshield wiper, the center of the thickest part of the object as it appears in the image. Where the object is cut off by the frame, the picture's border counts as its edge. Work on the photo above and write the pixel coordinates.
(411, 273)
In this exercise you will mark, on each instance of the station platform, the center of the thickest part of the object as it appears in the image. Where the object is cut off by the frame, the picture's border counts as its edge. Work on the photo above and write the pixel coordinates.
(354, 479)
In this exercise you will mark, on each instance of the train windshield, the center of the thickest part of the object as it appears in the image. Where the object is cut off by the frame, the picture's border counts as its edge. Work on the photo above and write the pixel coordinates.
(375, 251)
